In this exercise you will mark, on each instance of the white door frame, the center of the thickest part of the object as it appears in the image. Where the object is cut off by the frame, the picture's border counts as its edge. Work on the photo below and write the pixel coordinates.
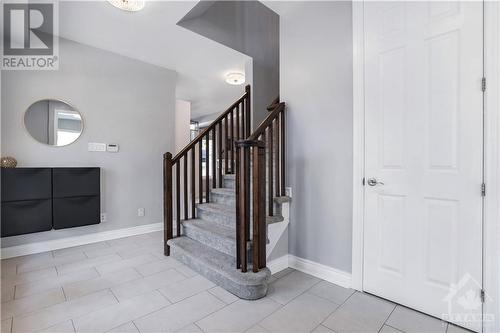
(491, 216)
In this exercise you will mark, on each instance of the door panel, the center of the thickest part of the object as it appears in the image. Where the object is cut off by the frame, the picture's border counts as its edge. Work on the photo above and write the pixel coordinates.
(423, 112)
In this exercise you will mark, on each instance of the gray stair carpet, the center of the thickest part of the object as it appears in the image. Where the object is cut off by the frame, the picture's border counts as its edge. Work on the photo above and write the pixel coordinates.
(208, 244)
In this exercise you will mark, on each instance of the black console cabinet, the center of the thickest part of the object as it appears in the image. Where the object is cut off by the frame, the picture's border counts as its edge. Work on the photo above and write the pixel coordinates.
(76, 197)
(26, 200)
(39, 199)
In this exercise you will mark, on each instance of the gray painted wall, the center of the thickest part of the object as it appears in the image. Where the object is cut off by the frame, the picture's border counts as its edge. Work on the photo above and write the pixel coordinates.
(122, 101)
(316, 84)
(250, 28)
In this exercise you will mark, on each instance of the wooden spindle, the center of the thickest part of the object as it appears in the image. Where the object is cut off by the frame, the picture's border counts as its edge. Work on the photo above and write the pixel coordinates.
(207, 168)
(219, 153)
(193, 182)
(283, 148)
(214, 166)
(200, 172)
(277, 158)
(270, 192)
(167, 201)
(238, 122)
(178, 196)
(226, 162)
(245, 216)
(185, 180)
(231, 142)
(238, 206)
(249, 110)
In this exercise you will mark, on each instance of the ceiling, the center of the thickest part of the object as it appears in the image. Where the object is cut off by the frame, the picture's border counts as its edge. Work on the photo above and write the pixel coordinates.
(152, 35)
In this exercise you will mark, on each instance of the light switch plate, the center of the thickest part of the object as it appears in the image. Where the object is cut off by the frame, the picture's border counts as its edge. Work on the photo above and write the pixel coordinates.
(96, 146)
(288, 191)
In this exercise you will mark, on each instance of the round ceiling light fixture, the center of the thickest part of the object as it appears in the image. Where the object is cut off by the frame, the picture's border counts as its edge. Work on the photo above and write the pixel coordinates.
(128, 5)
(235, 78)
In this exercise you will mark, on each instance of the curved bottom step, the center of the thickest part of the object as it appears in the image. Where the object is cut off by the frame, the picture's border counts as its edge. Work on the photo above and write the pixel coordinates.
(220, 268)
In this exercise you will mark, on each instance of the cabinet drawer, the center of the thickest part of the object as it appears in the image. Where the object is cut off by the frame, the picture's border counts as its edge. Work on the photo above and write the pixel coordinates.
(76, 211)
(26, 184)
(74, 182)
(23, 217)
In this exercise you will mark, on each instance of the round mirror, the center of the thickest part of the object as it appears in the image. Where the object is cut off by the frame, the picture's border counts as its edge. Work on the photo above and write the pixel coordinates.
(53, 122)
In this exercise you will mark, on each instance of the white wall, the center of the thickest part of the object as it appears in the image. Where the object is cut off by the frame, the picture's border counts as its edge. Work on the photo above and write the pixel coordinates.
(122, 101)
(182, 122)
(316, 84)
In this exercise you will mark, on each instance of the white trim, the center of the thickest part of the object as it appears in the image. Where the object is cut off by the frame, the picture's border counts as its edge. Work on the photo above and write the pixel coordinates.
(358, 144)
(38, 247)
(491, 264)
(278, 264)
(321, 271)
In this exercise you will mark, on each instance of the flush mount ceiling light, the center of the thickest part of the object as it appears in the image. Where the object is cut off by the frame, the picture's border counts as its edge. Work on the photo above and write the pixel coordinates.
(235, 78)
(128, 5)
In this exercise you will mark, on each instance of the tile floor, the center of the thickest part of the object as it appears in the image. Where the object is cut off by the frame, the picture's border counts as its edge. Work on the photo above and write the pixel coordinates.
(127, 285)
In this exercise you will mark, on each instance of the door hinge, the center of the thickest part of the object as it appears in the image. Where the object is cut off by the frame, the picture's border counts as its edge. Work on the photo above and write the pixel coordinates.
(483, 84)
(483, 189)
(483, 296)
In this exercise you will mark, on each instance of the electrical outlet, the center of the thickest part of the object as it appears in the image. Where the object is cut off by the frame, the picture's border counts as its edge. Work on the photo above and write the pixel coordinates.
(104, 217)
(288, 191)
(141, 212)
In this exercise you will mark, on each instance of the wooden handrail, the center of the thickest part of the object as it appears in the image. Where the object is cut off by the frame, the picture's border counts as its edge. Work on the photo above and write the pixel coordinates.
(273, 104)
(268, 121)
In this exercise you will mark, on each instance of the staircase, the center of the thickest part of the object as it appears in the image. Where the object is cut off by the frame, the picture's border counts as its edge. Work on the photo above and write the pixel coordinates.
(232, 203)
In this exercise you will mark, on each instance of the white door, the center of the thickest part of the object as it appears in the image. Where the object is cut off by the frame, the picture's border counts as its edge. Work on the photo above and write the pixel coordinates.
(424, 130)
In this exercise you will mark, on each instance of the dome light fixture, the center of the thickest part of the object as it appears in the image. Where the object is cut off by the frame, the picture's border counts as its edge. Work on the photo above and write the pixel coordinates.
(235, 78)
(128, 5)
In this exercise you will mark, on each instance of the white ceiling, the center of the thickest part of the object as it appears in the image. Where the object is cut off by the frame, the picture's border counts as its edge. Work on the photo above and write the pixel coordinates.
(151, 35)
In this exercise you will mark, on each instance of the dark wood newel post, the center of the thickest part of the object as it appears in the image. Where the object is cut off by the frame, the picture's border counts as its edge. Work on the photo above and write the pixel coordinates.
(259, 203)
(167, 201)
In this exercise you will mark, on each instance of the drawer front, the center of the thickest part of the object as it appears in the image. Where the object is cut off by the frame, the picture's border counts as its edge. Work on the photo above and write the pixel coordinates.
(24, 217)
(76, 211)
(74, 182)
(26, 184)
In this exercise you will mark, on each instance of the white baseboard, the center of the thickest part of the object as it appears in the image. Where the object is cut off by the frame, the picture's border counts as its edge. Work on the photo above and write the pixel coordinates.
(278, 264)
(321, 271)
(55, 244)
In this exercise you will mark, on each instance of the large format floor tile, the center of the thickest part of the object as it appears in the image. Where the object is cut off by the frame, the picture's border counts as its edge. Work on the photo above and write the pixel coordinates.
(411, 321)
(121, 313)
(64, 327)
(41, 285)
(179, 315)
(180, 290)
(360, 313)
(127, 286)
(239, 316)
(88, 286)
(290, 286)
(302, 314)
(58, 313)
(147, 284)
(331, 292)
(32, 303)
